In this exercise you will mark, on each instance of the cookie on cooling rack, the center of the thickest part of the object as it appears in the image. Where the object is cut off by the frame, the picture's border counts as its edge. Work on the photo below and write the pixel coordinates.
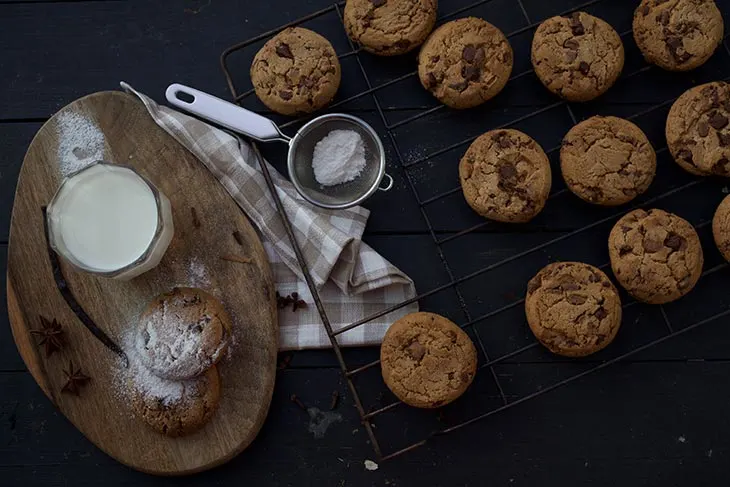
(607, 161)
(426, 360)
(297, 71)
(572, 308)
(182, 333)
(505, 176)
(389, 27)
(578, 57)
(465, 62)
(655, 255)
(678, 35)
(698, 129)
(721, 228)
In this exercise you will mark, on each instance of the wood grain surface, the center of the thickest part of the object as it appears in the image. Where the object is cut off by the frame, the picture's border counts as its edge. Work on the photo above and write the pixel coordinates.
(193, 258)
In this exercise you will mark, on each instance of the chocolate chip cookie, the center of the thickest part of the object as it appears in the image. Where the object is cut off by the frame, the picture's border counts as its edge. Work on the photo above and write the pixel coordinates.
(465, 62)
(176, 408)
(389, 27)
(578, 57)
(607, 160)
(697, 129)
(296, 71)
(655, 255)
(572, 308)
(678, 35)
(182, 333)
(505, 176)
(426, 360)
(721, 228)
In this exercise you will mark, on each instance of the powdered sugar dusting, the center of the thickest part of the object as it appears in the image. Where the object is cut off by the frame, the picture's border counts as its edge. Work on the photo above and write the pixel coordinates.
(197, 274)
(141, 379)
(80, 142)
(338, 158)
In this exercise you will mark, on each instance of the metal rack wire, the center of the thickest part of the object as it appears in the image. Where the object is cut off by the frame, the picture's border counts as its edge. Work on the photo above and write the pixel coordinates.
(454, 282)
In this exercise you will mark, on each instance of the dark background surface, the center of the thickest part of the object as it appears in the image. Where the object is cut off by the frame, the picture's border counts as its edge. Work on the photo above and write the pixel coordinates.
(656, 418)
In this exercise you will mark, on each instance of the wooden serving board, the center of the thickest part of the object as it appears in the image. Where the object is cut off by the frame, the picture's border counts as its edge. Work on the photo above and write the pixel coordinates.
(101, 412)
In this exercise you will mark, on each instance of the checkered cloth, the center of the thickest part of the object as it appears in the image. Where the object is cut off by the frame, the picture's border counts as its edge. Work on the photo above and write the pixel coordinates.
(353, 280)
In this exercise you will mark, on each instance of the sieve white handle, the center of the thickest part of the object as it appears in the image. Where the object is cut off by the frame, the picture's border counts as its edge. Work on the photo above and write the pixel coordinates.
(223, 113)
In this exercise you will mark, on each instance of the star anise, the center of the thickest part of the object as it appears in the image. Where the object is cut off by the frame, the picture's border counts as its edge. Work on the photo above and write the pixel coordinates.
(75, 379)
(51, 334)
(283, 302)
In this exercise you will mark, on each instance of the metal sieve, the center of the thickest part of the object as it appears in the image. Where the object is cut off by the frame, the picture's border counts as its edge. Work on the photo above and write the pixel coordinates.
(301, 146)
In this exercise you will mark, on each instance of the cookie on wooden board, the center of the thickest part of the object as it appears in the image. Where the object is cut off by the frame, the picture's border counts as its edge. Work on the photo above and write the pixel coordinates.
(721, 228)
(175, 408)
(182, 333)
(505, 176)
(607, 160)
(697, 130)
(578, 57)
(678, 35)
(655, 255)
(465, 62)
(426, 360)
(296, 71)
(572, 308)
(389, 27)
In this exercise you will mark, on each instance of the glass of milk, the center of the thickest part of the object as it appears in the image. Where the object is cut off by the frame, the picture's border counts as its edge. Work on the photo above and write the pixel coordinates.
(107, 219)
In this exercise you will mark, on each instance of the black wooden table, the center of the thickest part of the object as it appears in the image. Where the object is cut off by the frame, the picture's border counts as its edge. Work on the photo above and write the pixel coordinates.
(657, 418)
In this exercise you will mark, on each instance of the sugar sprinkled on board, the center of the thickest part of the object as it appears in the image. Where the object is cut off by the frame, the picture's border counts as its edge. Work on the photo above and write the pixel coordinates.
(80, 142)
(338, 158)
(197, 273)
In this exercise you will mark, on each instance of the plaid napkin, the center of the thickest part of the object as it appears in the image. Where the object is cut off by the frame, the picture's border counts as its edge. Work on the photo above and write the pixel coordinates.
(353, 280)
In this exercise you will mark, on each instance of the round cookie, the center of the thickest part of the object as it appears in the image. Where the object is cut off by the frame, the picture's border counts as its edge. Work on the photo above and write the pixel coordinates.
(656, 256)
(697, 130)
(721, 228)
(389, 27)
(296, 71)
(465, 62)
(176, 408)
(578, 57)
(426, 360)
(182, 333)
(572, 308)
(607, 161)
(505, 176)
(678, 35)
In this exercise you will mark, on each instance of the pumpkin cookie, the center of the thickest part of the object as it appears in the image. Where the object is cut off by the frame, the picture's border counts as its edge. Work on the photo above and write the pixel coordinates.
(389, 27)
(656, 256)
(465, 62)
(578, 57)
(176, 408)
(678, 35)
(505, 176)
(697, 129)
(426, 360)
(296, 71)
(182, 333)
(721, 228)
(607, 161)
(573, 309)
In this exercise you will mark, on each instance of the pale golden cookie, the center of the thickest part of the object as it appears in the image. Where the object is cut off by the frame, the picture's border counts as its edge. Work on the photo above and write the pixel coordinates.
(389, 27)
(426, 360)
(572, 308)
(465, 62)
(296, 71)
(655, 255)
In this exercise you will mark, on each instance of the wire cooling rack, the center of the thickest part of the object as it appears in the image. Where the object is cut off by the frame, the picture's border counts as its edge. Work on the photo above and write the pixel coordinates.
(568, 229)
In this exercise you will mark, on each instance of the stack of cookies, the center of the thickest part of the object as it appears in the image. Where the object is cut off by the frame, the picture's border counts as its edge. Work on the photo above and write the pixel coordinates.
(174, 383)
